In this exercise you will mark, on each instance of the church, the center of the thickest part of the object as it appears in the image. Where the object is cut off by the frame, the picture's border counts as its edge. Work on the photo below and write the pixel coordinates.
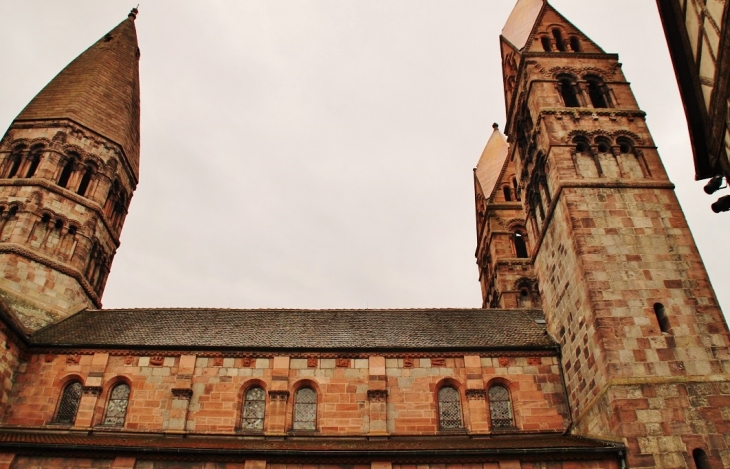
(599, 344)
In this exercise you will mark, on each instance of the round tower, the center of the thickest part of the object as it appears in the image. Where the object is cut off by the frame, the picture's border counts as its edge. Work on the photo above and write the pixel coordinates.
(69, 164)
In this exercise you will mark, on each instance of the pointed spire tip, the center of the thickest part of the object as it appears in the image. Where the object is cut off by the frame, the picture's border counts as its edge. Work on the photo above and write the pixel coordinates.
(133, 13)
(495, 126)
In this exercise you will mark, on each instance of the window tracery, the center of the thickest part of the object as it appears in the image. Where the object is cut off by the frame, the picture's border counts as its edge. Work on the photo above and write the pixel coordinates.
(449, 403)
(305, 409)
(69, 405)
(500, 407)
(116, 409)
(254, 408)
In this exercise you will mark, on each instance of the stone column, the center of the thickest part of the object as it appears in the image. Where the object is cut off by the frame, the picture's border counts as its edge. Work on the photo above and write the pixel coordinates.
(476, 396)
(85, 413)
(377, 397)
(179, 411)
(182, 393)
(280, 374)
(277, 412)
(91, 391)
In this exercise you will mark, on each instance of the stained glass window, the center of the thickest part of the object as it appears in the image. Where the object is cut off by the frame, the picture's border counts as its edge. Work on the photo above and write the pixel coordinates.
(449, 408)
(500, 407)
(305, 410)
(69, 403)
(116, 410)
(254, 406)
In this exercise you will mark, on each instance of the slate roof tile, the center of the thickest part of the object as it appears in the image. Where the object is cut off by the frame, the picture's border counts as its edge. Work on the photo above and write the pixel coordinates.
(300, 329)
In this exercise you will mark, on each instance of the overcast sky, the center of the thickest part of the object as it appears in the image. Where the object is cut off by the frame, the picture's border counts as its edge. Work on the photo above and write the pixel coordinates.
(319, 154)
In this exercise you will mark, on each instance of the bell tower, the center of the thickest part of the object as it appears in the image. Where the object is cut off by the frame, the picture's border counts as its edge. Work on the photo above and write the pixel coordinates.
(69, 164)
(645, 348)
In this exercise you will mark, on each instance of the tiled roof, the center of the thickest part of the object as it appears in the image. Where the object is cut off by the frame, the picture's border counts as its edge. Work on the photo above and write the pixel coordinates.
(312, 447)
(521, 21)
(490, 164)
(99, 89)
(300, 329)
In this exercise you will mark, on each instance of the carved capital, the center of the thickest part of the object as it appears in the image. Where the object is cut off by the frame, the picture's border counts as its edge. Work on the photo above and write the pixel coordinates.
(182, 393)
(476, 394)
(279, 396)
(377, 395)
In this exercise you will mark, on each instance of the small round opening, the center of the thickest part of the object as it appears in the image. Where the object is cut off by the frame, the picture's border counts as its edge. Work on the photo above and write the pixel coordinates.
(603, 147)
(625, 148)
(45, 218)
(581, 147)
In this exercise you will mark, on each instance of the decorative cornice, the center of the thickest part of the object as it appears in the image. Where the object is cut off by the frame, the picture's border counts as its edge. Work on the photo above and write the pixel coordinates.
(47, 185)
(92, 390)
(14, 248)
(570, 55)
(590, 111)
(476, 394)
(87, 133)
(172, 352)
(279, 396)
(594, 184)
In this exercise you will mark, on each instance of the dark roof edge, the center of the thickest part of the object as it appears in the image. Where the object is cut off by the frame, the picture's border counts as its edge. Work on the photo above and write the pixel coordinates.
(40, 347)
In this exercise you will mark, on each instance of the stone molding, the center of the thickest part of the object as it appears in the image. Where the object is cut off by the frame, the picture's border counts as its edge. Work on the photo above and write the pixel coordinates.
(279, 396)
(82, 132)
(51, 187)
(13, 248)
(476, 394)
(92, 390)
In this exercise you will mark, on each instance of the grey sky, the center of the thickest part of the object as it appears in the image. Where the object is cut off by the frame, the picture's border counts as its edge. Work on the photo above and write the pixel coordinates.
(319, 154)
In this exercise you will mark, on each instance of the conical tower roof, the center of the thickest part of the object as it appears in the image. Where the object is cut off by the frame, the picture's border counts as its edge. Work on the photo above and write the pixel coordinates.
(99, 90)
(519, 25)
(489, 167)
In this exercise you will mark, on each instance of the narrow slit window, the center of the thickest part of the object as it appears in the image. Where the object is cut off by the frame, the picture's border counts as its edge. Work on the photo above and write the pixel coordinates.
(524, 301)
(449, 408)
(516, 188)
(254, 407)
(116, 409)
(545, 43)
(559, 40)
(597, 93)
(661, 317)
(507, 193)
(305, 409)
(500, 407)
(575, 43)
(33, 166)
(700, 458)
(520, 245)
(66, 173)
(69, 404)
(14, 166)
(85, 180)
(567, 91)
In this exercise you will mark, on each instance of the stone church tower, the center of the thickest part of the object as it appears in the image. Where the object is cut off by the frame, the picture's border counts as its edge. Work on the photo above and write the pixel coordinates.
(68, 167)
(583, 209)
